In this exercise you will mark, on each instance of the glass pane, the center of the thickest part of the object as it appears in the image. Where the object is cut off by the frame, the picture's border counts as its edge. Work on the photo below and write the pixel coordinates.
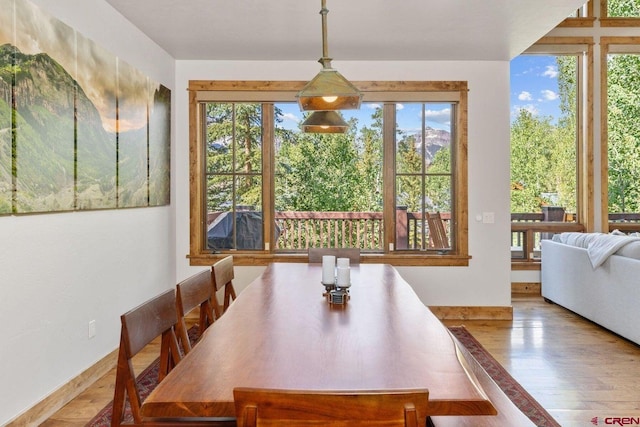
(328, 187)
(410, 229)
(623, 123)
(219, 137)
(248, 213)
(437, 194)
(623, 8)
(248, 138)
(543, 136)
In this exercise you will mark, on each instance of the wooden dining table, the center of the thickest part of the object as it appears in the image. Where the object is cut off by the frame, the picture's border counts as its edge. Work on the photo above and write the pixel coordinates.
(282, 333)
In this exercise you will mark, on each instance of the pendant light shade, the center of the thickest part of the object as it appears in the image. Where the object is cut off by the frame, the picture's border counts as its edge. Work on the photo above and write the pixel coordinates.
(324, 122)
(329, 90)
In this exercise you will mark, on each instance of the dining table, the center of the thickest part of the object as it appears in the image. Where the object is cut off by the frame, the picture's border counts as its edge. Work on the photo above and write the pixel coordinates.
(282, 332)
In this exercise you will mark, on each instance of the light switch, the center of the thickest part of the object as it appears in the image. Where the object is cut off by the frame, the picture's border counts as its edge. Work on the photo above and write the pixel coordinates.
(488, 217)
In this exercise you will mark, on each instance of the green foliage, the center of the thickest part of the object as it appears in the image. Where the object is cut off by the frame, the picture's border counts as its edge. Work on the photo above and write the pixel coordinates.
(328, 172)
(623, 132)
(623, 8)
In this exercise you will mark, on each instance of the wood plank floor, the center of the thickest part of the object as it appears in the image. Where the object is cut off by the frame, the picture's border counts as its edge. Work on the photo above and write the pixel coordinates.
(574, 368)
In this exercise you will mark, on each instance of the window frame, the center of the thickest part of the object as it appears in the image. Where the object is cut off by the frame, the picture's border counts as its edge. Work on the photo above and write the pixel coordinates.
(270, 92)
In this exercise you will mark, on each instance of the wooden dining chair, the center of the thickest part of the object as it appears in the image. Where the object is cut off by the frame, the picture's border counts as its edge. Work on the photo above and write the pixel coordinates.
(141, 325)
(437, 232)
(316, 254)
(194, 292)
(270, 408)
(222, 272)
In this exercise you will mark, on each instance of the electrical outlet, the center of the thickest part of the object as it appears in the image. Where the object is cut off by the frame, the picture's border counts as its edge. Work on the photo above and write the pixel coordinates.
(92, 329)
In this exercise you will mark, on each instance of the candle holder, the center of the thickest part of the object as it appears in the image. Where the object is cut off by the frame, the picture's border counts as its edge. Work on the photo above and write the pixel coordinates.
(338, 296)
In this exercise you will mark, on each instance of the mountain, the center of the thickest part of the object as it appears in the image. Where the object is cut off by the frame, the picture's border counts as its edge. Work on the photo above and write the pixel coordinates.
(435, 139)
(47, 102)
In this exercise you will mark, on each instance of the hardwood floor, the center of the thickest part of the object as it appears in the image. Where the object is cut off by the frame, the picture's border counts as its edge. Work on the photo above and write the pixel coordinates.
(574, 368)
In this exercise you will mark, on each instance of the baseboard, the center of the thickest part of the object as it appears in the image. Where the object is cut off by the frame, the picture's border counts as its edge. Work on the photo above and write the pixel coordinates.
(532, 288)
(51, 404)
(472, 313)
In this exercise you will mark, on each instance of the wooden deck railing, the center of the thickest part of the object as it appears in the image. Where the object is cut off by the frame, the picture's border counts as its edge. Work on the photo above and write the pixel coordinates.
(304, 230)
(364, 230)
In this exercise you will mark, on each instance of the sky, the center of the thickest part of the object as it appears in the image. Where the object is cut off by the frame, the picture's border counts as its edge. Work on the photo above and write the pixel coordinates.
(94, 68)
(534, 85)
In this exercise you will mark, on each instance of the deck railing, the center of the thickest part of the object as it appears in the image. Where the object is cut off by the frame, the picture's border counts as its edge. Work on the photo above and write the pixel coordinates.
(364, 230)
(304, 230)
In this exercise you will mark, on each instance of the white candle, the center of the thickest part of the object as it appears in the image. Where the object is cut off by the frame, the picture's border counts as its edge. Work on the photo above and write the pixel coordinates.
(344, 277)
(328, 269)
(343, 262)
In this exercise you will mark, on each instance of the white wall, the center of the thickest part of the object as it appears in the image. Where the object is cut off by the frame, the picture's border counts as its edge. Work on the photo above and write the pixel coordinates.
(486, 282)
(59, 271)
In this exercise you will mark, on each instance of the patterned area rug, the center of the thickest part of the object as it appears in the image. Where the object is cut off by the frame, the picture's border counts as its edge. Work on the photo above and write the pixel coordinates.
(514, 391)
(148, 379)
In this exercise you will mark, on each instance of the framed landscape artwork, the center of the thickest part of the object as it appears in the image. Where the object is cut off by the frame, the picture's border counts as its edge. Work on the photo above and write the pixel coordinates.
(80, 129)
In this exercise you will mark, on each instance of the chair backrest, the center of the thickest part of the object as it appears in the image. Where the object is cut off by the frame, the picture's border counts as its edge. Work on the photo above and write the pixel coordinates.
(315, 254)
(223, 278)
(437, 232)
(141, 325)
(392, 408)
(195, 291)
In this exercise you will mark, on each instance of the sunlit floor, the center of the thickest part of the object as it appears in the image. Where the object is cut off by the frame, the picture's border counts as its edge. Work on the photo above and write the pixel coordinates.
(574, 368)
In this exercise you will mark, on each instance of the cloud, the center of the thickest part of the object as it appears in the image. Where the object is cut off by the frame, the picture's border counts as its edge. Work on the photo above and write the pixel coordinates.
(549, 95)
(438, 116)
(527, 107)
(292, 117)
(525, 96)
(551, 71)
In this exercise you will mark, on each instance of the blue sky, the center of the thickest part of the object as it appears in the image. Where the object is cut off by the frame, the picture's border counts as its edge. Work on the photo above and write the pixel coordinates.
(409, 116)
(534, 85)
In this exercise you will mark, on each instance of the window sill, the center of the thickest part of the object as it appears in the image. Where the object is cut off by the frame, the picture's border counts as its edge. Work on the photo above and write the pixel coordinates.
(396, 259)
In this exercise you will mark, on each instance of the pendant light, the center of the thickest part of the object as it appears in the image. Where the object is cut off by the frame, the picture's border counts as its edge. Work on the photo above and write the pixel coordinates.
(329, 90)
(324, 122)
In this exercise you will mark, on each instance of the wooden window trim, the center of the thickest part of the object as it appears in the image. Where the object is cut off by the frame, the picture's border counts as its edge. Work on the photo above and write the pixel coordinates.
(380, 91)
(581, 21)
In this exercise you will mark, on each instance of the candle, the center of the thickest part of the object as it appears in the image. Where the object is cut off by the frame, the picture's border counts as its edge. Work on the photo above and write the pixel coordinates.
(328, 269)
(343, 262)
(344, 277)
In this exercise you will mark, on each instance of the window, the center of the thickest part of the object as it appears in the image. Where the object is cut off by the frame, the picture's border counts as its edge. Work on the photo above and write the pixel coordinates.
(550, 143)
(621, 148)
(265, 191)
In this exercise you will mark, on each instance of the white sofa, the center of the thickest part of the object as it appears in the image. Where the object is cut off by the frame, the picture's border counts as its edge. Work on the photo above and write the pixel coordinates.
(608, 294)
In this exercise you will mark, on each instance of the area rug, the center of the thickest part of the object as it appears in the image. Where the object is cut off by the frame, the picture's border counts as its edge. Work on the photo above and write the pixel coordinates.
(514, 391)
(148, 379)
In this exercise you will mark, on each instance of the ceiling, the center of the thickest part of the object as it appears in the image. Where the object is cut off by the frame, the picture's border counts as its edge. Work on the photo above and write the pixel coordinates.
(357, 29)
